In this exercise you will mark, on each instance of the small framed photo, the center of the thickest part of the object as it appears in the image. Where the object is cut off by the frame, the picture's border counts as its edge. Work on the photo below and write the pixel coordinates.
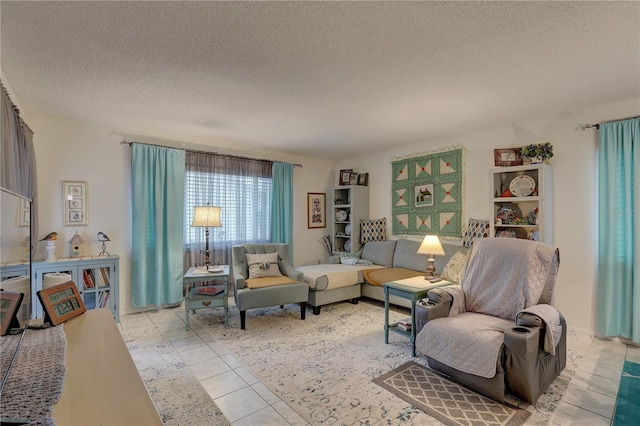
(345, 177)
(75, 199)
(505, 157)
(316, 210)
(353, 179)
(363, 179)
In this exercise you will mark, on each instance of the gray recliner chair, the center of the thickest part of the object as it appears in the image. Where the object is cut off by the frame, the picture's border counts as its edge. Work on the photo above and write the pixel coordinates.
(274, 292)
(497, 332)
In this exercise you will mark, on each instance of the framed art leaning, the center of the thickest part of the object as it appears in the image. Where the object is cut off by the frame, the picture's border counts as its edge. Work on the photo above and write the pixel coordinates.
(75, 198)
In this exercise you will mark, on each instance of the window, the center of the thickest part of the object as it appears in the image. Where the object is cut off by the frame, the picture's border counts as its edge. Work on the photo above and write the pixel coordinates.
(242, 188)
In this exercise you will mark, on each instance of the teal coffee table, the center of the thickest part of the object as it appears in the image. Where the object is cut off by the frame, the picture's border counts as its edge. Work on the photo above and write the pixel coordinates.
(412, 289)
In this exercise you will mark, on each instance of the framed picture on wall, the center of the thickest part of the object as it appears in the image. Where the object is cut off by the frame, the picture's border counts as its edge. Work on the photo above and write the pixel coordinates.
(24, 212)
(75, 199)
(316, 210)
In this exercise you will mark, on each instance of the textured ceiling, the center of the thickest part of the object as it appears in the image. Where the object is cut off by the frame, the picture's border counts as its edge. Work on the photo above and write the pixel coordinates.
(319, 79)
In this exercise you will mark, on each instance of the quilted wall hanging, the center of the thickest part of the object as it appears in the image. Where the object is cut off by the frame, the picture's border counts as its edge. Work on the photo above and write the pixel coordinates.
(428, 194)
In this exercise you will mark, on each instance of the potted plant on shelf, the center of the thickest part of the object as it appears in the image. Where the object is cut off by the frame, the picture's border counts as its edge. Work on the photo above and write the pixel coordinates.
(538, 153)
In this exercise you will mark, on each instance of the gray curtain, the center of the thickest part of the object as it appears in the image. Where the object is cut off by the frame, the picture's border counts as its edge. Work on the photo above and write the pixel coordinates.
(18, 163)
(242, 188)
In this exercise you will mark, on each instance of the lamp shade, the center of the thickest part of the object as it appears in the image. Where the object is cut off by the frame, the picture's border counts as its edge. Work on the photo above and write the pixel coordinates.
(431, 245)
(206, 216)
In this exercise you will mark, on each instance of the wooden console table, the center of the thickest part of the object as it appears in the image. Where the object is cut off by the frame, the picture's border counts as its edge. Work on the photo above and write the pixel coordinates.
(101, 385)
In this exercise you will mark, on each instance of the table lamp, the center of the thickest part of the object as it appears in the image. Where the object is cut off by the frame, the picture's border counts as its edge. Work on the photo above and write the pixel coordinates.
(431, 246)
(206, 217)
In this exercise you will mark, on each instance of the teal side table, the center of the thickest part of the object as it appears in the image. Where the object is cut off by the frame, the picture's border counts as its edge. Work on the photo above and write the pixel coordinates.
(194, 299)
(412, 289)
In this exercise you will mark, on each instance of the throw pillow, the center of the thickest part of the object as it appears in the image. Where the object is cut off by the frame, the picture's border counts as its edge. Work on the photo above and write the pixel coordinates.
(373, 230)
(263, 265)
(454, 268)
(353, 259)
(476, 229)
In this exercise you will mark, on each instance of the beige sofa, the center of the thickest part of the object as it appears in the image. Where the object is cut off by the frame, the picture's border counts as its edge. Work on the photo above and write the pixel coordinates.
(335, 282)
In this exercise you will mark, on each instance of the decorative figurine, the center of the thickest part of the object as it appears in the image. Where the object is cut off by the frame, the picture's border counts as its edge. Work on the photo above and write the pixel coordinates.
(102, 237)
(76, 245)
(26, 248)
(50, 248)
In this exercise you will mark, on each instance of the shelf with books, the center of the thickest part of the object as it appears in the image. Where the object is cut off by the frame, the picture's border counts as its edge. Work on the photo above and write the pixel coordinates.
(96, 279)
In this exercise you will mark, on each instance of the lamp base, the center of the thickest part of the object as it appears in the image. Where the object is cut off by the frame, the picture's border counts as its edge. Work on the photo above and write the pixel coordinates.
(431, 268)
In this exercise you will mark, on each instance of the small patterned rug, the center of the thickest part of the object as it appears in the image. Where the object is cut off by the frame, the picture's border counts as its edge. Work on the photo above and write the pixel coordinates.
(445, 400)
(628, 404)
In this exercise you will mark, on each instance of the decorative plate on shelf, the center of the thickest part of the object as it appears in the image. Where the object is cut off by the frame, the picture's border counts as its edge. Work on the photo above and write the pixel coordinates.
(347, 246)
(506, 233)
(341, 215)
(522, 186)
(347, 229)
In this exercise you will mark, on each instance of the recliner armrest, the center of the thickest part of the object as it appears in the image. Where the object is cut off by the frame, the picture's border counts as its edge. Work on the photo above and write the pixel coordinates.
(436, 306)
(523, 340)
(238, 281)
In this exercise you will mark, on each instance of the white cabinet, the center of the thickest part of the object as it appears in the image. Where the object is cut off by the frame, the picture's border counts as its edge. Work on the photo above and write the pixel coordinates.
(350, 204)
(522, 202)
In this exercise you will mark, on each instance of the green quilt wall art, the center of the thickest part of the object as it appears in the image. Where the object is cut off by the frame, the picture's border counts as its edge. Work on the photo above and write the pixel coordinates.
(428, 194)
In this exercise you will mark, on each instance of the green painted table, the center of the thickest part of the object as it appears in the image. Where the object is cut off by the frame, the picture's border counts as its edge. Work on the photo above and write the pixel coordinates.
(412, 289)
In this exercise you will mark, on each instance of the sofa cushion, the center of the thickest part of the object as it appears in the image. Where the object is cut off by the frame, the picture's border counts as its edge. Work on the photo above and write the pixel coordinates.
(453, 271)
(269, 281)
(380, 276)
(263, 265)
(379, 252)
(476, 229)
(373, 230)
(449, 251)
(406, 256)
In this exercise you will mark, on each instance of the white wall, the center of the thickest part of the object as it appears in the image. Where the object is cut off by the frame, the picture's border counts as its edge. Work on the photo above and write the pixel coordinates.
(575, 189)
(75, 150)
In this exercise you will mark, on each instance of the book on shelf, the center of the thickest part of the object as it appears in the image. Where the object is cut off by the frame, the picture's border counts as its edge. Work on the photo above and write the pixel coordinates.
(103, 299)
(104, 273)
(405, 324)
(209, 291)
(87, 278)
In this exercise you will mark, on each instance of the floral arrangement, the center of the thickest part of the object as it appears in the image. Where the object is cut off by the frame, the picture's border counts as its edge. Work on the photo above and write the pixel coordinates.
(541, 151)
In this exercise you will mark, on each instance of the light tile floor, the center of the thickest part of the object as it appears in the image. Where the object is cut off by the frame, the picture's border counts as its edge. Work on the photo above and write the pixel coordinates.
(589, 399)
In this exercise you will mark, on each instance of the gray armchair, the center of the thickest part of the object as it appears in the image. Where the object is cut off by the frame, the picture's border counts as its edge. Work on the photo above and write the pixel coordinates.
(497, 332)
(294, 291)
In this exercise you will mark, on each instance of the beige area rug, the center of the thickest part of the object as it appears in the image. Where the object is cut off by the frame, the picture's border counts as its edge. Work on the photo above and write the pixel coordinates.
(178, 396)
(452, 404)
(323, 367)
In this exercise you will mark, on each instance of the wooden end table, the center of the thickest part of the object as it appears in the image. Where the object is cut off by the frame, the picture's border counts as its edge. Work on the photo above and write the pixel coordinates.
(412, 289)
(194, 296)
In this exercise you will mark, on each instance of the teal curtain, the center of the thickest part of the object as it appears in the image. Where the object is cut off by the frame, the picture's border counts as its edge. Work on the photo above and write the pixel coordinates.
(157, 181)
(619, 230)
(282, 205)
